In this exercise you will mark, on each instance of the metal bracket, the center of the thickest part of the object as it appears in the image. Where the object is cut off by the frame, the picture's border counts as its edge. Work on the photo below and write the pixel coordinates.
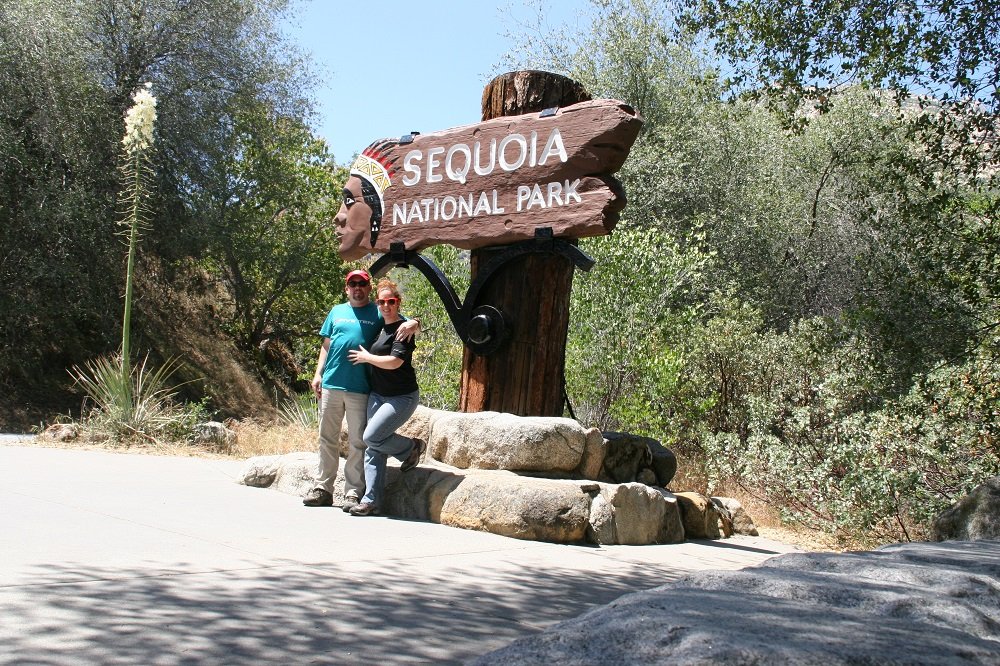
(482, 327)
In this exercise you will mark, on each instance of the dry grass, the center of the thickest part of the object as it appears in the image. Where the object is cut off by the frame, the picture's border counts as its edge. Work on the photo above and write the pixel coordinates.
(268, 439)
(252, 439)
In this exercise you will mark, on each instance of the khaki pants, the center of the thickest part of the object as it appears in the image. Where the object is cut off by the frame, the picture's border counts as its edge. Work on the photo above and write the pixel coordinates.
(333, 405)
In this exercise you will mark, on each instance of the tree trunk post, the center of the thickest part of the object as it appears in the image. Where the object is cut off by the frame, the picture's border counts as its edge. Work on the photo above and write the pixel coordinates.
(526, 375)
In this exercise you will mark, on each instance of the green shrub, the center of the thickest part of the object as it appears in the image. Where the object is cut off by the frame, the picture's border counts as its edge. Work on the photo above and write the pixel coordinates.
(797, 423)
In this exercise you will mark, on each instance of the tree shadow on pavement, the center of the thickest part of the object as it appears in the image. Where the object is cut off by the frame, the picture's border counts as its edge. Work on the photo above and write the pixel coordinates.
(292, 614)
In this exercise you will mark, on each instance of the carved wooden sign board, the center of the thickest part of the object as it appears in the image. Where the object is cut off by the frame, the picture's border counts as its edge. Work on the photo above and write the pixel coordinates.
(493, 183)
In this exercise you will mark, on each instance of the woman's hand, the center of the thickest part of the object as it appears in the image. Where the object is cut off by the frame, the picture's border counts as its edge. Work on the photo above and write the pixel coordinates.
(407, 330)
(359, 355)
(362, 355)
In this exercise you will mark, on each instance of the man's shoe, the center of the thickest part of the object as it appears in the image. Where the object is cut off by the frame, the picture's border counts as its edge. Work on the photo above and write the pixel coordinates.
(318, 497)
(419, 446)
(364, 509)
(349, 503)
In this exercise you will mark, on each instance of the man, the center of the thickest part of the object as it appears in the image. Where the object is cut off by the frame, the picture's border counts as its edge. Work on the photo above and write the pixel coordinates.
(342, 388)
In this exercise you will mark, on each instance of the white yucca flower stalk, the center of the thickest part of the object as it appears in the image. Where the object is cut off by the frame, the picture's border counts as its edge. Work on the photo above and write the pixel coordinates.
(139, 120)
(138, 141)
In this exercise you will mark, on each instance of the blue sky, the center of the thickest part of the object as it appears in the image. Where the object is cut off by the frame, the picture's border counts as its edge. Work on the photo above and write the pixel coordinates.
(393, 66)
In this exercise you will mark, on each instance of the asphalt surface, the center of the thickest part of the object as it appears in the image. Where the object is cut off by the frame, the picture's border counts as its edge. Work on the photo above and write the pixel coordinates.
(114, 558)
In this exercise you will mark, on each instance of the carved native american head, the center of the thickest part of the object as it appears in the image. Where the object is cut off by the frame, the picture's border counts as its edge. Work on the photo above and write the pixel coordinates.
(374, 170)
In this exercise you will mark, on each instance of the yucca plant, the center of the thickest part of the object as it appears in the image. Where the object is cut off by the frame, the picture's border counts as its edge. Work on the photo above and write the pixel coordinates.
(131, 403)
(301, 411)
(139, 405)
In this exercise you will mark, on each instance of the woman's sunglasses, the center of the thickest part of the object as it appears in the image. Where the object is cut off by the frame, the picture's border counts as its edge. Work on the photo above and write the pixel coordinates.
(387, 301)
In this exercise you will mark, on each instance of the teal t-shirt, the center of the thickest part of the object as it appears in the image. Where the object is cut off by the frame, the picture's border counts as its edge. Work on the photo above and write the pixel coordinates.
(348, 328)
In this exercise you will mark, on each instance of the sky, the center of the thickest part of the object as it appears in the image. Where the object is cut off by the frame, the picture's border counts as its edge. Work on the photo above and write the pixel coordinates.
(390, 67)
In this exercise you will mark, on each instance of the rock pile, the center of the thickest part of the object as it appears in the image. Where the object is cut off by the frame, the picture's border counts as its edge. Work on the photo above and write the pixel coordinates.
(545, 479)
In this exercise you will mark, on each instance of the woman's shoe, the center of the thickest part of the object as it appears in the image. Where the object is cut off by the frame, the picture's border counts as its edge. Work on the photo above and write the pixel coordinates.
(419, 446)
(364, 509)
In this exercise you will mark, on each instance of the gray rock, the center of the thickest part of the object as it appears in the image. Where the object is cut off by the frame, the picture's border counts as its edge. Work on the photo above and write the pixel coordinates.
(634, 514)
(646, 476)
(700, 516)
(501, 502)
(260, 471)
(740, 520)
(663, 463)
(918, 603)
(626, 455)
(975, 516)
(520, 507)
(595, 449)
(419, 425)
(291, 473)
(633, 458)
(213, 432)
(62, 432)
(493, 440)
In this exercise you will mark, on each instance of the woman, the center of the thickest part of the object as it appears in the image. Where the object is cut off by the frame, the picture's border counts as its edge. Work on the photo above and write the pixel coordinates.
(393, 399)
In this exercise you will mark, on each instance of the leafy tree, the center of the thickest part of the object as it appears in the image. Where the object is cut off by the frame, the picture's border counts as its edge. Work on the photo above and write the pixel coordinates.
(68, 71)
(830, 272)
(938, 62)
(59, 142)
(627, 316)
(945, 48)
(269, 207)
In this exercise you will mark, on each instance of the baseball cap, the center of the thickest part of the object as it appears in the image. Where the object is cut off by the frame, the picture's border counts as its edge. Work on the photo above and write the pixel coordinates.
(358, 274)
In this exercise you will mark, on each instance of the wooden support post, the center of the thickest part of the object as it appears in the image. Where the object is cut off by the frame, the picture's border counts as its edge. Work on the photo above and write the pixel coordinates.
(524, 377)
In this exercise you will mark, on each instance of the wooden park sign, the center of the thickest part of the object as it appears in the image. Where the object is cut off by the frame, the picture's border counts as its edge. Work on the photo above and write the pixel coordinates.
(493, 183)
(518, 190)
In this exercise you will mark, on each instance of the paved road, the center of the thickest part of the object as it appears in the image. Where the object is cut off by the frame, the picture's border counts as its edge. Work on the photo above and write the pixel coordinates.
(111, 558)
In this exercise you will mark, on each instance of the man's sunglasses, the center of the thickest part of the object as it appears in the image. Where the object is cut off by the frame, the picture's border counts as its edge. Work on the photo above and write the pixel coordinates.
(387, 301)
(357, 283)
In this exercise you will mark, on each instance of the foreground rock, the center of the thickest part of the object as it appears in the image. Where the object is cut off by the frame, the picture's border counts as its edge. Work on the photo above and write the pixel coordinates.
(918, 603)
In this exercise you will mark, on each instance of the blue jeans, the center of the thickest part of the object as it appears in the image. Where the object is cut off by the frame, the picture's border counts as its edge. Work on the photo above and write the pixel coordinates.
(385, 415)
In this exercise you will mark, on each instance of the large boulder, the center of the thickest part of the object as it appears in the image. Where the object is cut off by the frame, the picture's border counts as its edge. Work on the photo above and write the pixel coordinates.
(291, 473)
(918, 603)
(520, 507)
(494, 440)
(975, 516)
(214, 433)
(633, 458)
(483, 470)
(634, 513)
(701, 518)
(663, 463)
(626, 455)
(61, 432)
(736, 516)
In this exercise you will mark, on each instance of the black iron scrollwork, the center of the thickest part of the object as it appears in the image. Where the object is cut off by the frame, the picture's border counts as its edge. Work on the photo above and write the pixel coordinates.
(481, 326)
